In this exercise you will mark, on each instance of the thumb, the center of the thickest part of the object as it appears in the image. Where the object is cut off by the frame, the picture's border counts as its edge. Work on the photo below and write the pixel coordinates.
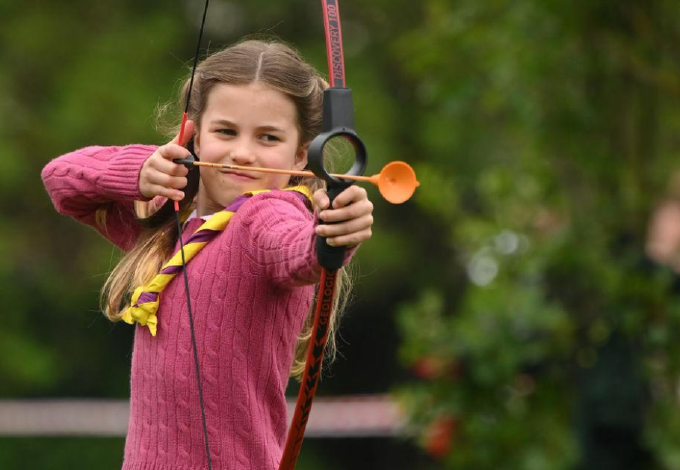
(187, 133)
(321, 199)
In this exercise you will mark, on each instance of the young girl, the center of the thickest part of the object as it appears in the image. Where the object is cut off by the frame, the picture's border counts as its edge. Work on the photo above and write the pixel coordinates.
(254, 104)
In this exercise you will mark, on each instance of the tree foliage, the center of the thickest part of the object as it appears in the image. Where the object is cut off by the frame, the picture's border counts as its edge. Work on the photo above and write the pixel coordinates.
(549, 129)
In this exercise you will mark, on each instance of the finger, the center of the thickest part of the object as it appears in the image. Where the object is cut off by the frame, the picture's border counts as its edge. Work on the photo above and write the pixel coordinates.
(168, 181)
(350, 240)
(174, 194)
(186, 135)
(168, 167)
(348, 196)
(172, 151)
(345, 228)
(352, 211)
(321, 199)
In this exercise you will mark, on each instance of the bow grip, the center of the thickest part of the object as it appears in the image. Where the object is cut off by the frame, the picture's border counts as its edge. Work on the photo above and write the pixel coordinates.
(330, 257)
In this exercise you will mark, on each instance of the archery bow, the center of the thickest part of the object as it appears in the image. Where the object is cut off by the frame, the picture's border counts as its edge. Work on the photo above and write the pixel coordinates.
(338, 121)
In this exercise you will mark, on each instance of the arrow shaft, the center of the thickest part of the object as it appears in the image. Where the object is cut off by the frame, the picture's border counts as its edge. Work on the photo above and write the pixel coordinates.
(279, 171)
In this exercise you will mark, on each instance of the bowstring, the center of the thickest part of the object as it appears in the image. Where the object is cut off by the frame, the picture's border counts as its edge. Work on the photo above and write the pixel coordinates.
(181, 244)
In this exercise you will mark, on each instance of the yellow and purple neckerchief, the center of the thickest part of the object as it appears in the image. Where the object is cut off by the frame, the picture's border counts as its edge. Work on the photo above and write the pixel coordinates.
(146, 299)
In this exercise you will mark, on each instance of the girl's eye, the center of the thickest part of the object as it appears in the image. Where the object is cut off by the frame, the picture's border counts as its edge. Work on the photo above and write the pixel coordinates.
(270, 138)
(230, 132)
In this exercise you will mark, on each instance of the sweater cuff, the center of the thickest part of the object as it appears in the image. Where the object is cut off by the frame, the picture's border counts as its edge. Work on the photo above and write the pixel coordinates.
(122, 178)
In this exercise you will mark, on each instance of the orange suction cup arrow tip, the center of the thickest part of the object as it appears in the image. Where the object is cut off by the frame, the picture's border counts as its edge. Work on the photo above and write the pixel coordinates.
(397, 182)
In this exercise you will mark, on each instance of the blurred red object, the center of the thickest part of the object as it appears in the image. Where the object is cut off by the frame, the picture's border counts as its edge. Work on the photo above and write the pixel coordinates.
(428, 367)
(440, 435)
(433, 367)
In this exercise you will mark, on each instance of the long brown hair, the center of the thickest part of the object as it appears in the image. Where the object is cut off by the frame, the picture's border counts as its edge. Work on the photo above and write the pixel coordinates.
(281, 68)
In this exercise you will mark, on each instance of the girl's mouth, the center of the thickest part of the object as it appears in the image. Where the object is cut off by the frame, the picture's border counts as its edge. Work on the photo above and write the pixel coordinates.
(237, 175)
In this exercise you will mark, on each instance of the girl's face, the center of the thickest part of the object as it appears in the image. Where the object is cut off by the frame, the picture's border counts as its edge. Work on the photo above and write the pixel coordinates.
(249, 125)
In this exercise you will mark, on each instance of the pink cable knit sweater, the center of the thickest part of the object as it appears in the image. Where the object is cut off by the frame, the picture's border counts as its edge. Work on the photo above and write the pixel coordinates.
(251, 289)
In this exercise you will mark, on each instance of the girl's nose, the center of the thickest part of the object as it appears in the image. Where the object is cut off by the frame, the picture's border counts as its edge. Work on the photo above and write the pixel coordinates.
(242, 154)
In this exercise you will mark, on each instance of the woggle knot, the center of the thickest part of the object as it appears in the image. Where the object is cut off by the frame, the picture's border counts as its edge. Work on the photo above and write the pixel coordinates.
(143, 308)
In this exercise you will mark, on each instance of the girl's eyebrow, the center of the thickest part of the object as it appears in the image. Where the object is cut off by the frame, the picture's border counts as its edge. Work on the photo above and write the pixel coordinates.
(223, 122)
(266, 127)
(270, 128)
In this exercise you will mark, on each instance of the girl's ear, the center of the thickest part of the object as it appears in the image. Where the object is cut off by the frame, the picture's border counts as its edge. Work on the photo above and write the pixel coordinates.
(197, 143)
(301, 157)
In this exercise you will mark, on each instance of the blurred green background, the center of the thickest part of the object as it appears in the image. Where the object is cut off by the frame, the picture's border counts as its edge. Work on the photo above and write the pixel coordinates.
(519, 307)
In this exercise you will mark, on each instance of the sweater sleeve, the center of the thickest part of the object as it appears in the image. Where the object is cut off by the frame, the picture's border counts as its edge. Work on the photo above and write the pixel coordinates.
(279, 238)
(82, 182)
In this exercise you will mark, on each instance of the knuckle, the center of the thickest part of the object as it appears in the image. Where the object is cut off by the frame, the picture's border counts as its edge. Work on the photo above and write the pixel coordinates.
(151, 177)
(179, 182)
(326, 230)
(168, 181)
(169, 151)
(162, 179)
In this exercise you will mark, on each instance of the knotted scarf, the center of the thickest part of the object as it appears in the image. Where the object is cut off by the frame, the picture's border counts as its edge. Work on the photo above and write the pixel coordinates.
(146, 298)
